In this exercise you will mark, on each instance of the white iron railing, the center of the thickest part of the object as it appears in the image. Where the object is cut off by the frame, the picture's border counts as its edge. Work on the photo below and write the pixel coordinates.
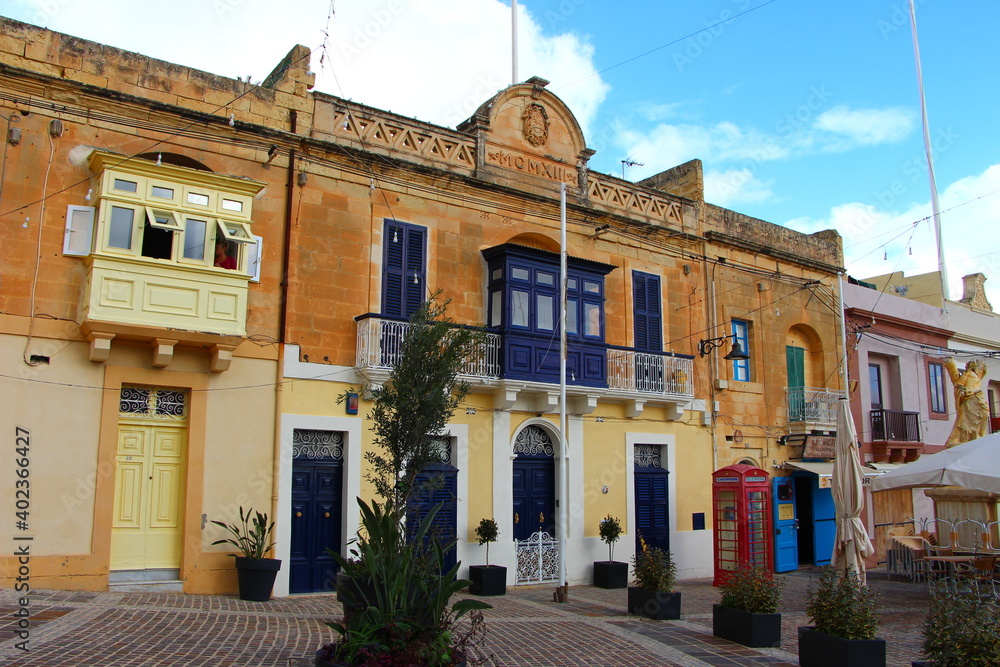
(379, 342)
(812, 404)
(650, 373)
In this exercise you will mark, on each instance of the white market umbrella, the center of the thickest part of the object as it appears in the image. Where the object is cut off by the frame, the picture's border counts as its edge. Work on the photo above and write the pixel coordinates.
(973, 465)
(851, 545)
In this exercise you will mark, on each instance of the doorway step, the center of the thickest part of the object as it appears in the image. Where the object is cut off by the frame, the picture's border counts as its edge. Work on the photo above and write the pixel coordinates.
(163, 580)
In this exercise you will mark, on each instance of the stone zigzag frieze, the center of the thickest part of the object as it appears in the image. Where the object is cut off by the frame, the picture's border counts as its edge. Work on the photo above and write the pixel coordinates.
(406, 139)
(610, 194)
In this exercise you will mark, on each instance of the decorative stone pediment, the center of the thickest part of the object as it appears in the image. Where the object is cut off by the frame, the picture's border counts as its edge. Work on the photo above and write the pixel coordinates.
(974, 291)
(529, 131)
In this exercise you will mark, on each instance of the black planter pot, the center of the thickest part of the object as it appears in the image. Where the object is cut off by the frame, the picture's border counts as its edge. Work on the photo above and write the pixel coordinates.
(256, 577)
(610, 574)
(488, 579)
(818, 649)
(653, 604)
(747, 628)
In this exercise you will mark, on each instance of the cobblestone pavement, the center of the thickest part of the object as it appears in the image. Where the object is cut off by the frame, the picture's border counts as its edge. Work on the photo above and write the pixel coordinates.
(524, 628)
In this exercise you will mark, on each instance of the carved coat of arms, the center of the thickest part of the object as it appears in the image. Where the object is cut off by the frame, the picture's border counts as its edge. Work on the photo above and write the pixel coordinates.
(536, 124)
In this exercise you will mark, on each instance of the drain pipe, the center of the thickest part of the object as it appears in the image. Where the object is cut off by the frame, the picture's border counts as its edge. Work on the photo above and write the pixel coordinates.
(282, 334)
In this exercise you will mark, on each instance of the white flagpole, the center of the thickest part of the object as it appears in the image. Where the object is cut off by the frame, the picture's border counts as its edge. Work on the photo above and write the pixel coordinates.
(513, 42)
(564, 445)
(935, 208)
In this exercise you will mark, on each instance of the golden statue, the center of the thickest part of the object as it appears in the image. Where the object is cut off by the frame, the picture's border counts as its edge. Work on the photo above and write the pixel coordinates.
(973, 418)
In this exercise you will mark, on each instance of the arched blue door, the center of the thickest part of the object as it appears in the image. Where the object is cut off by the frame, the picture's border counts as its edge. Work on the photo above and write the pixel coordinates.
(534, 508)
(317, 496)
(652, 500)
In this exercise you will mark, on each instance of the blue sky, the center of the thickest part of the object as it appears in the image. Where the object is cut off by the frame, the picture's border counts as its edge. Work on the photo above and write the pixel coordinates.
(804, 113)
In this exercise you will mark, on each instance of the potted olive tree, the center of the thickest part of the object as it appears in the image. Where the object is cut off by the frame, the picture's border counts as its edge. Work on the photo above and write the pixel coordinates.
(610, 573)
(653, 595)
(962, 628)
(255, 573)
(487, 579)
(748, 612)
(844, 613)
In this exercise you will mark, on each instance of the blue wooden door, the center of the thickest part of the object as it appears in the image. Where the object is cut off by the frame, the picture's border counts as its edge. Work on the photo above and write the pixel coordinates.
(824, 518)
(438, 484)
(652, 507)
(534, 495)
(786, 545)
(317, 489)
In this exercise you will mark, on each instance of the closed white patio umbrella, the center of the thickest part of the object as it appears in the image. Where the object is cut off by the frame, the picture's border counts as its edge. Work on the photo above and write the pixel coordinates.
(851, 545)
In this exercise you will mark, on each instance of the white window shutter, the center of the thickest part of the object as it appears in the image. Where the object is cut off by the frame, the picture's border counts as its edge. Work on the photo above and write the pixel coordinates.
(256, 251)
(79, 233)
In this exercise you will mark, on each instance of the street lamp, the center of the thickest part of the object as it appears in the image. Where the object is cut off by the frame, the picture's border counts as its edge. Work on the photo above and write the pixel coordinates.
(735, 354)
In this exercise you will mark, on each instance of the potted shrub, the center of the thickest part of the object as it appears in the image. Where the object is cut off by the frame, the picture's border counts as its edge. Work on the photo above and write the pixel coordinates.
(748, 612)
(487, 579)
(610, 573)
(844, 613)
(256, 574)
(396, 592)
(961, 628)
(653, 595)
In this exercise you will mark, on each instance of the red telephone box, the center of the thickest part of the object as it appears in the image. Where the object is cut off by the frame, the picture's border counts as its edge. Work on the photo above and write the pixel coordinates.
(741, 507)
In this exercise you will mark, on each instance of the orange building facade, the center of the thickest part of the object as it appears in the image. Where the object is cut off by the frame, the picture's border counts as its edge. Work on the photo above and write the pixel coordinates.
(190, 384)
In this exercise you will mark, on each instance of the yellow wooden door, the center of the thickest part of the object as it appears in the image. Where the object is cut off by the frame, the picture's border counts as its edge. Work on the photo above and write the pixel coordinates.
(149, 491)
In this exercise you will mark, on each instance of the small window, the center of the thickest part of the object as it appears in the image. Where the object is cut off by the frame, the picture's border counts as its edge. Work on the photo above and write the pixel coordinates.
(571, 315)
(518, 308)
(591, 287)
(518, 273)
(197, 199)
(120, 228)
(126, 186)
(235, 231)
(161, 192)
(497, 274)
(544, 303)
(741, 367)
(232, 205)
(79, 230)
(163, 219)
(571, 284)
(194, 238)
(253, 260)
(496, 304)
(591, 320)
(543, 278)
(935, 373)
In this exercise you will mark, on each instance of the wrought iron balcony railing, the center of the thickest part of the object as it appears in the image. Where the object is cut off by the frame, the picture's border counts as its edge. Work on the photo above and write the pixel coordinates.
(895, 425)
(812, 404)
(379, 339)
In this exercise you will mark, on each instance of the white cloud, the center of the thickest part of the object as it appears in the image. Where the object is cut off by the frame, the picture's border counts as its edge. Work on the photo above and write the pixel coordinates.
(437, 60)
(736, 186)
(879, 241)
(851, 128)
(382, 59)
(729, 146)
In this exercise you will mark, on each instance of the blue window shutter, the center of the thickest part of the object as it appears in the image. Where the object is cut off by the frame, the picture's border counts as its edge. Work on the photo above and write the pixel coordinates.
(414, 278)
(647, 311)
(403, 275)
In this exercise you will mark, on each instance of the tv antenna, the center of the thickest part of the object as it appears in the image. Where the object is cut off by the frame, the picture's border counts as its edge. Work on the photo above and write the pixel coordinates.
(629, 162)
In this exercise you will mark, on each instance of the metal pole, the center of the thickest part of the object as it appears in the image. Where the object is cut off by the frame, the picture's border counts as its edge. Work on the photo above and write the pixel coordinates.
(935, 208)
(564, 445)
(513, 42)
